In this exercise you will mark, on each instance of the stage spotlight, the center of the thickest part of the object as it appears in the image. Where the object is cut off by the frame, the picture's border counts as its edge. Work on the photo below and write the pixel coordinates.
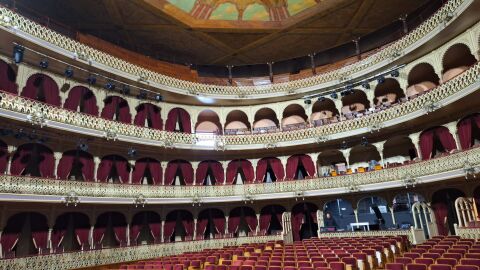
(125, 90)
(69, 72)
(132, 152)
(321, 99)
(158, 98)
(364, 141)
(92, 80)
(334, 95)
(343, 145)
(82, 146)
(380, 79)
(110, 86)
(395, 73)
(366, 85)
(18, 52)
(44, 64)
(308, 101)
(142, 95)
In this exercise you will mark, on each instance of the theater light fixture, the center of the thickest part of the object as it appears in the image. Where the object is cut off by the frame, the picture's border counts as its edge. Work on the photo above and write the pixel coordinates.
(71, 199)
(82, 145)
(364, 141)
(92, 80)
(44, 64)
(110, 86)
(18, 52)
(380, 79)
(158, 98)
(344, 145)
(140, 200)
(470, 171)
(142, 95)
(196, 200)
(409, 181)
(366, 85)
(395, 73)
(37, 118)
(307, 101)
(125, 90)
(334, 95)
(132, 152)
(69, 72)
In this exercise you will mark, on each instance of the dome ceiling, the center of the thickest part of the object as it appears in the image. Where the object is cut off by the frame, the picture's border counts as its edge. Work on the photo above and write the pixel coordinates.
(223, 32)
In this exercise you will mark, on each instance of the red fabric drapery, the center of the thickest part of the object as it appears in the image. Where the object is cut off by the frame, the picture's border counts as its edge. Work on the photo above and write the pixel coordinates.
(446, 138)
(240, 164)
(8, 241)
(155, 231)
(7, 78)
(202, 225)
(42, 83)
(98, 234)
(66, 163)
(175, 115)
(185, 168)
(134, 233)
(426, 144)
(3, 157)
(57, 238)
(219, 222)
(441, 212)
(188, 225)
(216, 216)
(236, 215)
(79, 94)
(266, 216)
(23, 154)
(148, 111)
(140, 167)
(275, 164)
(298, 217)
(116, 104)
(294, 161)
(202, 170)
(40, 239)
(82, 235)
(464, 128)
(105, 167)
(168, 229)
(427, 137)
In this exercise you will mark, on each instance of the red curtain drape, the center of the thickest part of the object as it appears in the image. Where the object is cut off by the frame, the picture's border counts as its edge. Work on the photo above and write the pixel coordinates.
(307, 163)
(8, 241)
(120, 234)
(187, 172)
(57, 238)
(65, 165)
(134, 233)
(49, 86)
(251, 220)
(188, 225)
(446, 138)
(40, 239)
(75, 97)
(104, 169)
(3, 158)
(261, 169)
(47, 165)
(202, 225)
(18, 165)
(291, 167)
(168, 229)
(155, 231)
(98, 234)
(122, 169)
(219, 222)
(7, 78)
(111, 104)
(426, 144)
(156, 171)
(233, 223)
(240, 164)
(139, 170)
(277, 167)
(171, 170)
(201, 172)
(82, 235)
(441, 212)
(265, 219)
(465, 133)
(297, 220)
(217, 171)
(148, 111)
(174, 116)
(275, 164)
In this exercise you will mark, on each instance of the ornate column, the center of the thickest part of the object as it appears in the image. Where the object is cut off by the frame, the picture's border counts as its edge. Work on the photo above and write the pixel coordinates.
(128, 234)
(23, 74)
(339, 106)
(258, 222)
(11, 151)
(393, 215)
(49, 239)
(254, 165)
(415, 137)
(346, 154)
(452, 127)
(195, 228)
(224, 166)
(57, 156)
(96, 161)
(226, 224)
(162, 236)
(101, 95)
(314, 157)
(90, 237)
(355, 211)
(370, 96)
(194, 167)
(130, 175)
(284, 159)
(163, 164)
(379, 146)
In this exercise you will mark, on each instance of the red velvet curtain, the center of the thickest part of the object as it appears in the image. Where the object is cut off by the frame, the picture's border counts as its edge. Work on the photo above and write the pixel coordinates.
(120, 234)
(240, 164)
(65, 165)
(307, 163)
(170, 172)
(233, 223)
(261, 169)
(426, 144)
(122, 169)
(134, 233)
(297, 220)
(465, 133)
(168, 229)
(173, 117)
(156, 171)
(47, 165)
(277, 167)
(104, 169)
(202, 225)
(441, 212)
(219, 222)
(8, 241)
(446, 138)
(75, 97)
(57, 238)
(201, 172)
(82, 235)
(217, 171)
(111, 104)
(292, 165)
(251, 220)
(148, 111)
(88, 168)
(188, 225)
(40, 239)
(187, 171)
(7, 78)
(155, 231)
(18, 165)
(265, 219)
(98, 234)
(3, 158)
(140, 167)
(50, 88)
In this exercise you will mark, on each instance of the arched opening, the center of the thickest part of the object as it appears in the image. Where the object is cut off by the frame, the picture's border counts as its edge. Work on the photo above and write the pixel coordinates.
(376, 212)
(210, 224)
(331, 163)
(116, 109)
(341, 212)
(25, 234)
(76, 165)
(81, 99)
(265, 121)
(42, 88)
(3, 157)
(208, 122)
(324, 112)
(145, 228)
(240, 171)
(237, 123)
(402, 208)
(443, 204)
(355, 103)
(33, 159)
(269, 170)
(110, 230)
(148, 115)
(179, 173)
(70, 232)
(300, 167)
(398, 150)
(468, 130)
(8, 78)
(364, 158)
(209, 173)
(113, 169)
(435, 142)
(241, 221)
(178, 120)
(388, 93)
(421, 78)
(178, 226)
(304, 221)
(147, 171)
(456, 60)
(271, 222)
(294, 117)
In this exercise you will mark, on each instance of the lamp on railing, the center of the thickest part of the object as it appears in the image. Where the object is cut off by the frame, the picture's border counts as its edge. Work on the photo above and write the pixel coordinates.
(71, 199)
(409, 181)
(299, 194)
(219, 144)
(196, 200)
(140, 200)
(37, 118)
(111, 133)
(431, 107)
(248, 198)
(470, 171)
(168, 143)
